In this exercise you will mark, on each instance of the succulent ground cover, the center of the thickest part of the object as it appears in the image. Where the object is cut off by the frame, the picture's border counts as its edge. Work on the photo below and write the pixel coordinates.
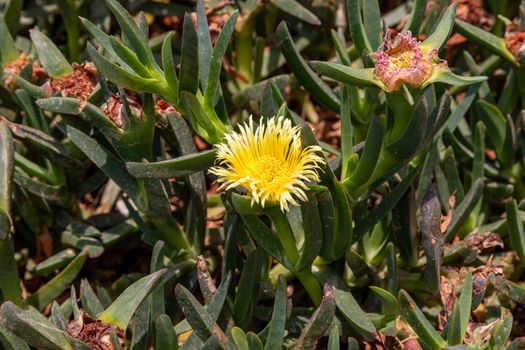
(262, 174)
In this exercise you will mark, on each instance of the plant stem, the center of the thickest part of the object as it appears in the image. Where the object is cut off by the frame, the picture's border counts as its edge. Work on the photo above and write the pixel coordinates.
(305, 276)
(244, 48)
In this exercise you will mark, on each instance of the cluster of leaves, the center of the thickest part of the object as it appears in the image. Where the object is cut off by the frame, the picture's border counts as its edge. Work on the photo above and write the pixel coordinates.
(413, 238)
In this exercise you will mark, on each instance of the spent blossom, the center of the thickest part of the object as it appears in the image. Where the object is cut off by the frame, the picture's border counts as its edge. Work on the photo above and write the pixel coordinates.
(403, 62)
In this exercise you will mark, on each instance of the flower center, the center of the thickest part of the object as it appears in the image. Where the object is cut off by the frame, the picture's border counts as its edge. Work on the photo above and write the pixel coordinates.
(402, 60)
(270, 170)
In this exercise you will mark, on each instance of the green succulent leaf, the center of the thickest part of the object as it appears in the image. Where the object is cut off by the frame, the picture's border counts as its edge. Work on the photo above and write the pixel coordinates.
(443, 74)
(311, 82)
(37, 332)
(357, 28)
(122, 309)
(319, 322)
(176, 167)
(52, 59)
(8, 51)
(421, 326)
(166, 337)
(277, 324)
(440, 35)
(459, 320)
(189, 68)
(297, 10)
(348, 75)
(353, 314)
(6, 179)
(52, 289)
(417, 16)
(486, 39)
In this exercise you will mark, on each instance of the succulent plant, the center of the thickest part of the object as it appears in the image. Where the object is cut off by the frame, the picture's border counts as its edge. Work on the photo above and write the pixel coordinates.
(246, 175)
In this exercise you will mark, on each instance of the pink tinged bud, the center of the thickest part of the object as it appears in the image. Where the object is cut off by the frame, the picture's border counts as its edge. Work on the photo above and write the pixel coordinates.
(403, 62)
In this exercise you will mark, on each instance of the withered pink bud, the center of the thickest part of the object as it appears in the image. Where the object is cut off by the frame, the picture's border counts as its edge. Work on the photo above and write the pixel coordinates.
(403, 62)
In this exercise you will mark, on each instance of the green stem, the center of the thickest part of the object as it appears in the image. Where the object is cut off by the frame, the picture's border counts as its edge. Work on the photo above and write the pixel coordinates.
(306, 277)
(520, 74)
(519, 185)
(402, 111)
(244, 50)
(70, 16)
(172, 234)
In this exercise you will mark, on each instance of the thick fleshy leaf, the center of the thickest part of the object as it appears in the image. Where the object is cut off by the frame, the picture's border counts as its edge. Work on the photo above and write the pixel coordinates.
(9, 282)
(52, 59)
(319, 322)
(212, 83)
(8, 51)
(123, 77)
(462, 211)
(495, 122)
(113, 167)
(198, 317)
(122, 309)
(373, 23)
(166, 338)
(357, 28)
(501, 330)
(444, 75)
(132, 33)
(369, 157)
(460, 317)
(128, 56)
(246, 298)
(36, 331)
(486, 39)
(353, 314)
(415, 317)
(311, 82)
(297, 10)
(389, 304)
(266, 238)
(189, 67)
(383, 208)
(89, 299)
(9, 341)
(168, 64)
(6, 179)
(176, 167)
(277, 324)
(417, 16)
(431, 236)
(440, 35)
(52, 289)
(516, 231)
(508, 288)
(348, 75)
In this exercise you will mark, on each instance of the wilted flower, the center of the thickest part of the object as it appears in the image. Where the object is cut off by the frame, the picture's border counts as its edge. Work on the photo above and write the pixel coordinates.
(403, 62)
(15, 67)
(515, 41)
(80, 83)
(114, 109)
(269, 162)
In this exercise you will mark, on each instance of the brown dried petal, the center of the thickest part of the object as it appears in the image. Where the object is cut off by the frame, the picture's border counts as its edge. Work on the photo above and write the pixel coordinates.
(93, 332)
(80, 83)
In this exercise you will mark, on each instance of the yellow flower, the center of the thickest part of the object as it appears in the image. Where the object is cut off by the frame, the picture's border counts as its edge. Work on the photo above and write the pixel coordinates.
(269, 162)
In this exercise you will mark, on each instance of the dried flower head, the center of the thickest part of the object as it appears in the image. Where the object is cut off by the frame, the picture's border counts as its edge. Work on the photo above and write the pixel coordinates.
(269, 162)
(16, 66)
(403, 62)
(80, 83)
(515, 41)
(114, 108)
